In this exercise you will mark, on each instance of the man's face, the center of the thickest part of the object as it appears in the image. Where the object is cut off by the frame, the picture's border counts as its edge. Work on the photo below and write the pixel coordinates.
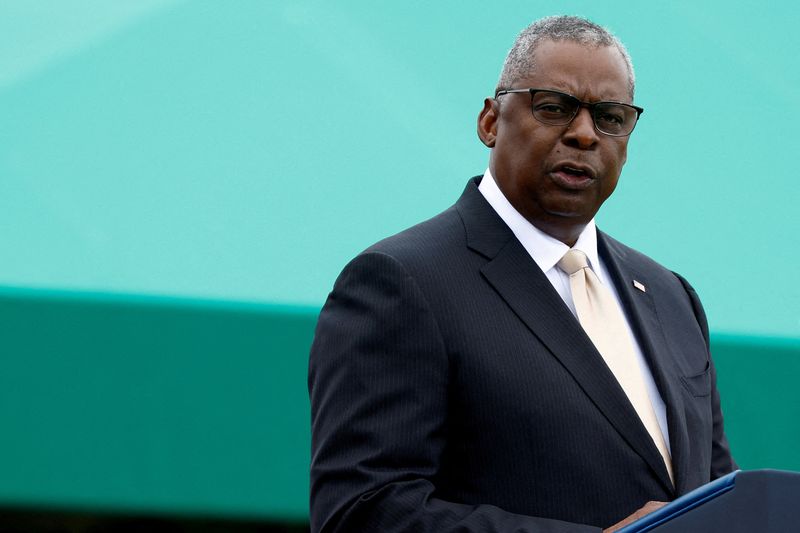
(557, 177)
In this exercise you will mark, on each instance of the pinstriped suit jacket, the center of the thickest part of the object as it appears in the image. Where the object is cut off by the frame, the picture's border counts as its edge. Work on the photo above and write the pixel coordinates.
(452, 389)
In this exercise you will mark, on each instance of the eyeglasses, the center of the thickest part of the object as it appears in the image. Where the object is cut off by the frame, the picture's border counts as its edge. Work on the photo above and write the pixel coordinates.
(559, 109)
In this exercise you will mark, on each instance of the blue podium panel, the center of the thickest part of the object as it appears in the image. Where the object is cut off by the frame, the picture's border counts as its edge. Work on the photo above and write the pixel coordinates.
(741, 502)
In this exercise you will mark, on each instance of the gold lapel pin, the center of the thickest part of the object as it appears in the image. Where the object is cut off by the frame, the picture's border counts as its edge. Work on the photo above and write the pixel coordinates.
(639, 285)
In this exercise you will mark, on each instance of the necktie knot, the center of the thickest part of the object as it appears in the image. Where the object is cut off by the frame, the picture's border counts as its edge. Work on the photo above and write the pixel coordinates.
(573, 261)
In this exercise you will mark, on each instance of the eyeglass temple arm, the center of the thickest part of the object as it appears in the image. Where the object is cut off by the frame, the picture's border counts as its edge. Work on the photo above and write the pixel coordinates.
(507, 91)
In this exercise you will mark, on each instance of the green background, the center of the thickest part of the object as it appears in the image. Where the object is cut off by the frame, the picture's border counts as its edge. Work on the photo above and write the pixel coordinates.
(181, 182)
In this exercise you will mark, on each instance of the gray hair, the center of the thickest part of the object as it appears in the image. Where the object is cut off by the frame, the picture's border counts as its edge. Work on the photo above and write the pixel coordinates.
(520, 59)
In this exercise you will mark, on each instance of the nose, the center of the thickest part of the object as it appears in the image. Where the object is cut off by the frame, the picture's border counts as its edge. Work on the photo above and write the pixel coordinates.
(581, 133)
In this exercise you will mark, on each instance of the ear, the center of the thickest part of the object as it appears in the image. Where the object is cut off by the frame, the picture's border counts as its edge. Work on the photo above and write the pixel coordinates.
(487, 122)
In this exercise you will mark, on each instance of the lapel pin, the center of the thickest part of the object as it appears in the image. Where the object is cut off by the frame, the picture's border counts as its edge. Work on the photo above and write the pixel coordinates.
(639, 285)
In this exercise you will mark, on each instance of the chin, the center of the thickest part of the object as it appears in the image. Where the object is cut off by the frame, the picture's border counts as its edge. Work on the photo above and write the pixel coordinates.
(573, 214)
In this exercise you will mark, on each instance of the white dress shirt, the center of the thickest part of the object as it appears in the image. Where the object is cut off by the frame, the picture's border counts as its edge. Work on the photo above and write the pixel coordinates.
(546, 251)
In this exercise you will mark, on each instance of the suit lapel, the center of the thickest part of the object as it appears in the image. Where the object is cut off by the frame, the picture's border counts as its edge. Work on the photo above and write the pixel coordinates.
(641, 311)
(527, 291)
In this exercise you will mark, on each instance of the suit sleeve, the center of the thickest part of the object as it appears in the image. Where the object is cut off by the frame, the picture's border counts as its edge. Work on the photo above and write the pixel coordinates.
(378, 382)
(721, 460)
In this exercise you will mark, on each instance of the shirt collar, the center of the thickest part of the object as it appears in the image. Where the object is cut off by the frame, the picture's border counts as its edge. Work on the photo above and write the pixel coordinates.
(545, 250)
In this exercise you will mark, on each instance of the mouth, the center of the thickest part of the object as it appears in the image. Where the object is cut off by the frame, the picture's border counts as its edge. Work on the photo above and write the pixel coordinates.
(573, 176)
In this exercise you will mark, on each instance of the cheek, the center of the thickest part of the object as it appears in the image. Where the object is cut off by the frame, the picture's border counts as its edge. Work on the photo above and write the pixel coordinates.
(622, 151)
(615, 162)
(609, 187)
(532, 152)
(523, 158)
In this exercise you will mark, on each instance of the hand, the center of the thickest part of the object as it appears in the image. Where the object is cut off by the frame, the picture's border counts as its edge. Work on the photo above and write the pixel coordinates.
(646, 509)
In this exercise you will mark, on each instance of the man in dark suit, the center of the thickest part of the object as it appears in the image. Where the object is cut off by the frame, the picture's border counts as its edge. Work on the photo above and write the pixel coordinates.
(455, 382)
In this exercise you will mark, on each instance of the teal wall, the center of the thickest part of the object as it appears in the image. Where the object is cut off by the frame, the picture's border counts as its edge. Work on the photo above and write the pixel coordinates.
(178, 179)
(246, 150)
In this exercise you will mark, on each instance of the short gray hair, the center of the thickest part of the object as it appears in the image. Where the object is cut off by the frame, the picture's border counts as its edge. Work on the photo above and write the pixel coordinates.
(520, 59)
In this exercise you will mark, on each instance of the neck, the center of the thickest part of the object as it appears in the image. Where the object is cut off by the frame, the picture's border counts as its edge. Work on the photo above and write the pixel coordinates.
(568, 234)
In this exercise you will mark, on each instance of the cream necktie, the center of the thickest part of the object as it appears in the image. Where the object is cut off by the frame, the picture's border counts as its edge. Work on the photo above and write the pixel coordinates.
(602, 319)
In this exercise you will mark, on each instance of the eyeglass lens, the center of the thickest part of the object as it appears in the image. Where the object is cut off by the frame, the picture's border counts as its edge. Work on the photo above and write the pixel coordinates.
(559, 109)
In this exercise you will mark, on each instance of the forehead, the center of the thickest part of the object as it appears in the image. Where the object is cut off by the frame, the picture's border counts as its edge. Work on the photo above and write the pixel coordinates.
(592, 73)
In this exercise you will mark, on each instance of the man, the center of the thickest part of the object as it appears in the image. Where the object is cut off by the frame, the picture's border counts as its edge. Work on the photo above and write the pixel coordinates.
(467, 376)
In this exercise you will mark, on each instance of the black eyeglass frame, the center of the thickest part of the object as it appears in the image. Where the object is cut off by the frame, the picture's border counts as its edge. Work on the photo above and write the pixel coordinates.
(590, 106)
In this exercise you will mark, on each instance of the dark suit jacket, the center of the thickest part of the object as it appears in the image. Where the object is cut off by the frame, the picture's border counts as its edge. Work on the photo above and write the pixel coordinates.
(453, 390)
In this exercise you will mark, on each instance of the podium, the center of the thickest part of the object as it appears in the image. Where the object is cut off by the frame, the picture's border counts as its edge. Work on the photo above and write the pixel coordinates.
(766, 501)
